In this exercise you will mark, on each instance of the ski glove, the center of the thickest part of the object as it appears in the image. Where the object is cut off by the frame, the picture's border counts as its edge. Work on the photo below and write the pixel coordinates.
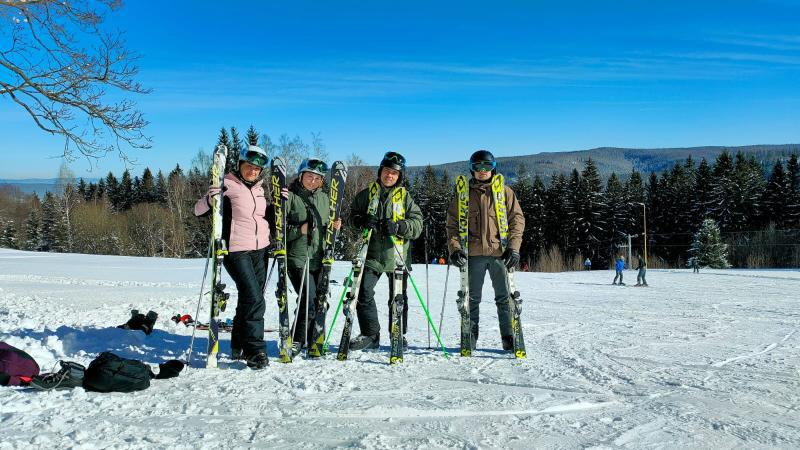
(458, 258)
(398, 228)
(511, 258)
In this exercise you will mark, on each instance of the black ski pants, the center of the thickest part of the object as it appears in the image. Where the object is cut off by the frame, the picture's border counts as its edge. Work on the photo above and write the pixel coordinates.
(295, 277)
(367, 311)
(478, 266)
(248, 270)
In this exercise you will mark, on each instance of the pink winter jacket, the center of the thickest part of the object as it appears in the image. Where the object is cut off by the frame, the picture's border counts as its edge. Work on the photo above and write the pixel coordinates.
(243, 222)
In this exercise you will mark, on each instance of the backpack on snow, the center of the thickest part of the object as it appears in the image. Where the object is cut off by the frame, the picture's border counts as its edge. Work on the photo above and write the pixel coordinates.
(16, 366)
(110, 373)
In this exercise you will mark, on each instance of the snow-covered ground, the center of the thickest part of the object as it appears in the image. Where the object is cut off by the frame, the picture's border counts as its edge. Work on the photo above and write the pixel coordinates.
(709, 360)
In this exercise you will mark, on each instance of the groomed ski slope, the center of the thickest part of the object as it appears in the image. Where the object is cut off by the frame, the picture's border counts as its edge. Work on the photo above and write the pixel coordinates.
(709, 360)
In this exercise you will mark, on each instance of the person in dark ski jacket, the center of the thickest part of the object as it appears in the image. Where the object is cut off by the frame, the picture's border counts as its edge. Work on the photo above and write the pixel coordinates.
(619, 267)
(307, 217)
(640, 276)
(381, 252)
(485, 250)
(245, 230)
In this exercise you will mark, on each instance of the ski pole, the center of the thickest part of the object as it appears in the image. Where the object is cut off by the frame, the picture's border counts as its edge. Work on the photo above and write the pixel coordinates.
(444, 297)
(299, 299)
(308, 300)
(347, 281)
(419, 297)
(200, 300)
(427, 281)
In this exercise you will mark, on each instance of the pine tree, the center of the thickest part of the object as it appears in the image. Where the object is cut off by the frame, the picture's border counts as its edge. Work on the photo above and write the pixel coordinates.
(147, 189)
(555, 203)
(774, 197)
(708, 247)
(591, 209)
(8, 233)
(793, 193)
(125, 197)
(101, 192)
(252, 136)
(160, 189)
(618, 217)
(701, 194)
(49, 224)
(112, 191)
(723, 187)
(234, 149)
(33, 236)
(749, 186)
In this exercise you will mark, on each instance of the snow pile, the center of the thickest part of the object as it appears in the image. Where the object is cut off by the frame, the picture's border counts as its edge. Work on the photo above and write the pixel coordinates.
(708, 360)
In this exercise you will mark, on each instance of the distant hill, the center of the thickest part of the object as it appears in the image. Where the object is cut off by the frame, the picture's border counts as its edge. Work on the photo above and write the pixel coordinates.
(619, 160)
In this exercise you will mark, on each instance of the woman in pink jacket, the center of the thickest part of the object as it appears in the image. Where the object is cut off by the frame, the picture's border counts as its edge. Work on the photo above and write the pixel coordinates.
(246, 232)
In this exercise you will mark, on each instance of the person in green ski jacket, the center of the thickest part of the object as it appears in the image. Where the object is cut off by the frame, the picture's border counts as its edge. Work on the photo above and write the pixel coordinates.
(381, 253)
(307, 216)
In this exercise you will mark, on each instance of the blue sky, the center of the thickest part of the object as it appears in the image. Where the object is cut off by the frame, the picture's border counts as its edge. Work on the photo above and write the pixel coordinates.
(437, 80)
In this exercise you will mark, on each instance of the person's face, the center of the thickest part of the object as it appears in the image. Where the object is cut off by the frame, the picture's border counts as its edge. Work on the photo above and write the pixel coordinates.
(389, 177)
(311, 181)
(250, 172)
(483, 175)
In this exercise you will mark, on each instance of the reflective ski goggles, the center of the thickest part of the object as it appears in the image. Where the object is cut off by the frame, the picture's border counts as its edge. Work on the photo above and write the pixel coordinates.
(483, 166)
(256, 159)
(317, 166)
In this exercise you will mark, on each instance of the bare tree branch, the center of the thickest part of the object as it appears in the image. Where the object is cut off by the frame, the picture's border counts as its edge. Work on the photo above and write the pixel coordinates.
(65, 87)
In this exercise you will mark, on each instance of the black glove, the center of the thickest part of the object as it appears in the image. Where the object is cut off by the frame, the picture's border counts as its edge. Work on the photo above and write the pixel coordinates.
(458, 258)
(398, 228)
(169, 369)
(511, 258)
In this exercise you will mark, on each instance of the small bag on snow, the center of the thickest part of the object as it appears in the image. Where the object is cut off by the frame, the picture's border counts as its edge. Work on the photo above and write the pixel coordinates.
(16, 366)
(110, 373)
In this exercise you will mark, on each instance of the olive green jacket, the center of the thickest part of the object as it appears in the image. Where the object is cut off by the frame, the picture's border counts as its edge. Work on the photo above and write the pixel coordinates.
(304, 206)
(381, 253)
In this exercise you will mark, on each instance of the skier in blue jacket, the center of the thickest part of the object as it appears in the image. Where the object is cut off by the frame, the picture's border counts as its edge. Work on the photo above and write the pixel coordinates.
(619, 265)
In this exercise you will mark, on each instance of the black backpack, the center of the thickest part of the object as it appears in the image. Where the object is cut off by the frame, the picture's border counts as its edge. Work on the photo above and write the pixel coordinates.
(110, 373)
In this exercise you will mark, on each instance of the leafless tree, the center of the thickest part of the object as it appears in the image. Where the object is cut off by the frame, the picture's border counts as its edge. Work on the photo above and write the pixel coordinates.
(61, 68)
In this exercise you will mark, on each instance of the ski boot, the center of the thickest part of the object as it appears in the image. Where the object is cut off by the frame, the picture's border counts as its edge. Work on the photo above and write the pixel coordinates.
(70, 376)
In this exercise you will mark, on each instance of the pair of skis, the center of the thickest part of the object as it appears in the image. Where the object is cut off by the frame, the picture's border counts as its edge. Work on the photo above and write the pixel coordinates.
(514, 301)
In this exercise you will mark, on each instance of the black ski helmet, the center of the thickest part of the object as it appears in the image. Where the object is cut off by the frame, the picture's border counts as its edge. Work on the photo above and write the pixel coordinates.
(394, 160)
(482, 157)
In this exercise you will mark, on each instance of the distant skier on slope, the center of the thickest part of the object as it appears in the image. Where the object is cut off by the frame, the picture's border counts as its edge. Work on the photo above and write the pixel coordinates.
(485, 251)
(307, 216)
(246, 231)
(381, 252)
(640, 276)
(619, 266)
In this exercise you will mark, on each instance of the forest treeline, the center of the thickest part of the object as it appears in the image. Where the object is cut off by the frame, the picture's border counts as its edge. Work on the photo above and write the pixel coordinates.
(569, 216)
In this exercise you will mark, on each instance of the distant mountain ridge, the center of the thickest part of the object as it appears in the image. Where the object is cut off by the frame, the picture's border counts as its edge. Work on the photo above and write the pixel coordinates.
(619, 160)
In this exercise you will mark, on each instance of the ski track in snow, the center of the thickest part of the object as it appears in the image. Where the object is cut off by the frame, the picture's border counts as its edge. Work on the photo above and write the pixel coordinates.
(709, 360)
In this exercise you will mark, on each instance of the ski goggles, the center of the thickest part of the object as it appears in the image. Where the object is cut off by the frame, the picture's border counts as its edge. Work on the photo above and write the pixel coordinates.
(256, 159)
(316, 166)
(483, 166)
(394, 161)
